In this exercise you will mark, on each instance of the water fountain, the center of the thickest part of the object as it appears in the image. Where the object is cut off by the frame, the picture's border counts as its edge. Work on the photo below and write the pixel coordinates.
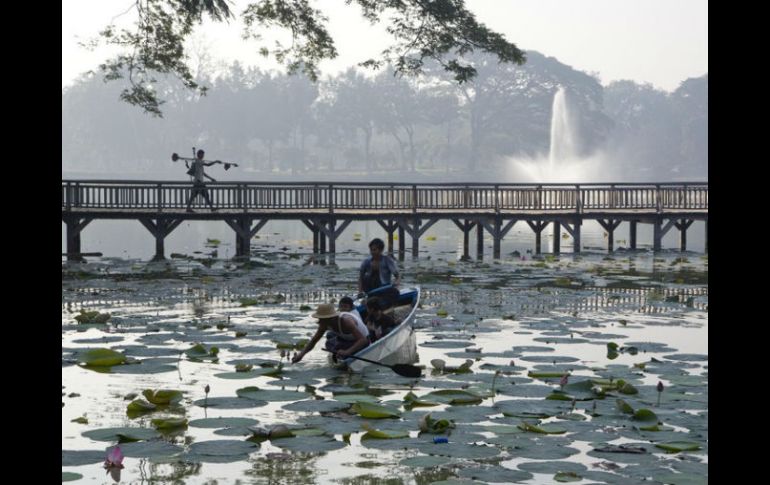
(563, 162)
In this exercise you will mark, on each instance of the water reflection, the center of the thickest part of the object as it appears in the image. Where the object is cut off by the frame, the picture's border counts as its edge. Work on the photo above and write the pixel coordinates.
(544, 298)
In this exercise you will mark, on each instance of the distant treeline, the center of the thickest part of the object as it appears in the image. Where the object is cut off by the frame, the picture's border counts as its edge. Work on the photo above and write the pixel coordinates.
(357, 123)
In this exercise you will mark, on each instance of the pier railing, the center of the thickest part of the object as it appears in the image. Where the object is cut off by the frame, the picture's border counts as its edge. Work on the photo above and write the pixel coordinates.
(398, 197)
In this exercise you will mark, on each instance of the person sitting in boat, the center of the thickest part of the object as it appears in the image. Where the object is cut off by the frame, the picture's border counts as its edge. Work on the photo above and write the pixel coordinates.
(346, 305)
(349, 332)
(376, 271)
(378, 323)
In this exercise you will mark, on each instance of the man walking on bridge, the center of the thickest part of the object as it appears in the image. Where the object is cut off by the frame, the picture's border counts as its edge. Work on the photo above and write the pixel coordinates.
(199, 185)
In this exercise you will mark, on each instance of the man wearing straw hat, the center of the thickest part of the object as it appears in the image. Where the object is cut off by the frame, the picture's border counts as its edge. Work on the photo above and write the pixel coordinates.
(350, 332)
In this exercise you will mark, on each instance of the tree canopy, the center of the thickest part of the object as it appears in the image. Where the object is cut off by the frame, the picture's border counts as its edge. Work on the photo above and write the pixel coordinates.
(443, 31)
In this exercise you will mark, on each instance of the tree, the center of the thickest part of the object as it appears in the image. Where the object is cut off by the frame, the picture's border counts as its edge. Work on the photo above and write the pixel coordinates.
(299, 94)
(438, 30)
(356, 107)
(401, 109)
(691, 101)
(442, 110)
(647, 132)
(508, 107)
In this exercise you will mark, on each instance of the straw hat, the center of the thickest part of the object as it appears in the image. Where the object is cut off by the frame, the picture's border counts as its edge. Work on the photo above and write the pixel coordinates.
(325, 310)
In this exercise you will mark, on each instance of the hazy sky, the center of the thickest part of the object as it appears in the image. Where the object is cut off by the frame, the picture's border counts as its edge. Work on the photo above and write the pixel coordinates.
(662, 42)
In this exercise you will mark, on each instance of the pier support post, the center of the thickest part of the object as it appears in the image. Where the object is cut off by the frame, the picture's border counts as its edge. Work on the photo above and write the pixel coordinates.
(610, 225)
(683, 225)
(465, 226)
(390, 226)
(497, 230)
(416, 229)
(574, 231)
(479, 240)
(538, 227)
(556, 237)
(160, 229)
(74, 226)
(659, 230)
(243, 234)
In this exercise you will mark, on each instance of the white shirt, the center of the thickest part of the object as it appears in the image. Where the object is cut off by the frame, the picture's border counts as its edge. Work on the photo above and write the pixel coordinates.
(359, 325)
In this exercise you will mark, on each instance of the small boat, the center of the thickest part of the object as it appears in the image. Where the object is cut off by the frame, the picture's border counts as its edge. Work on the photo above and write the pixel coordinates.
(399, 346)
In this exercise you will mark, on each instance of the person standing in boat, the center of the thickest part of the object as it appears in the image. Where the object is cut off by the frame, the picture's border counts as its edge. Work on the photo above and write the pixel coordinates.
(350, 333)
(376, 271)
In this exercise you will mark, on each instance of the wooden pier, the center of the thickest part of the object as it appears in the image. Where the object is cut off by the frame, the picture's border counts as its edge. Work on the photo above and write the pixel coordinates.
(327, 208)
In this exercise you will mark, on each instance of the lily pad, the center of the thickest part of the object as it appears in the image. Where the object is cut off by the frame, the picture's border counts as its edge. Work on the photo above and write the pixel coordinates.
(688, 357)
(543, 429)
(70, 476)
(549, 467)
(545, 375)
(258, 394)
(146, 367)
(169, 423)
(372, 433)
(681, 478)
(531, 390)
(250, 374)
(341, 424)
(624, 407)
(223, 447)
(645, 415)
(429, 424)
(162, 396)
(223, 422)
(100, 358)
(81, 457)
(308, 432)
(229, 403)
(241, 431)
(582, 390)
(549, 358)
(533, 348)
(412, 400)
(453, 396)
(677, 446)
(459, 450)
(98, 340)
(425, 461)
(655, 347)
(199, 352)
(374, 411)
(317, 406)
(520, 408)
(567, 477)
(500, 429)
(151, 449)
(560, 340)
(309, 444)
(494, 473)
(546, 450)
(121, 435)
(92, 317)
(139, 407)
